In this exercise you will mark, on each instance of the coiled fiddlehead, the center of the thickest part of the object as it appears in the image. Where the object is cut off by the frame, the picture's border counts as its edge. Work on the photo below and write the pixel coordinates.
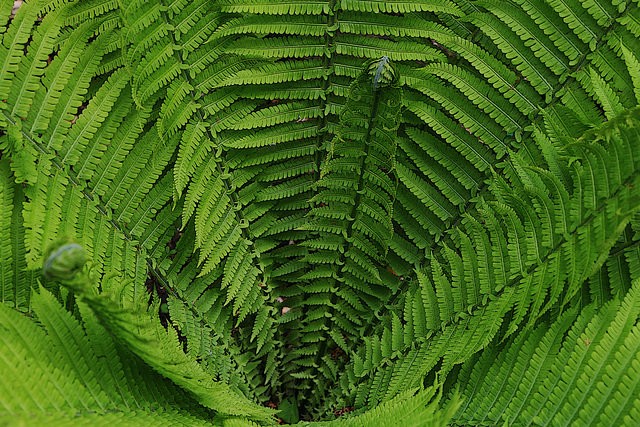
(65, 262)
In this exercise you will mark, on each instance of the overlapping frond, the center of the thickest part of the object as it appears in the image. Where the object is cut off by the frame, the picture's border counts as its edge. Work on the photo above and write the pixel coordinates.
(166, 50)
(558, 372)
(445, 157)
(319, 231)
(409, 408)
(69, 363)
(79, 127)
(350, 222)
(300, 78)
(160, 348)
(521, 255)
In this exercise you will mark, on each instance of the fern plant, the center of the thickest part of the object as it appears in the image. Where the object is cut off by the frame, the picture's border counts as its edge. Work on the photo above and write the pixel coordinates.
(406, 212)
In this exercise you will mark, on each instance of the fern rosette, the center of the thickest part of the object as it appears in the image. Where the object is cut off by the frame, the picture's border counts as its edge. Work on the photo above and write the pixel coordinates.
(400, 212)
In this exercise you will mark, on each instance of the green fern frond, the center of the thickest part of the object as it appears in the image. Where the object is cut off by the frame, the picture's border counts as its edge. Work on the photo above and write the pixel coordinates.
(633, 65)
(541, 78)
(312, 241)
(6, 213)
(386, 25)
(547, 361)
(261, 24)
(54, 123)
(129, 419)
(42, 214)
(96, 112)
(374, 47)
(23, 342)
(69, 340)
(525, 27)
(427, 194)
(503, 277)
(161, 350)
(279, 72)
(411, 408)
(81, 12)
(484, 98)
(312, 7)
(14, 39)
(608, 99)
(27, 75)
(194, 147)
(578, 20)
(376, 6)
(470, 147)
(77, 369)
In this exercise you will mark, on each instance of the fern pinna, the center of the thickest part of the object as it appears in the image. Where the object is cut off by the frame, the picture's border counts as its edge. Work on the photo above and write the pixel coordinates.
(415, 212)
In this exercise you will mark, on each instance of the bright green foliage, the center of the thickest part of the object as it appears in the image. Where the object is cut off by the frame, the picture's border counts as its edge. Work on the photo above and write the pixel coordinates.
(351, 221)
(535, 378)
(66, 363)
(351, 207)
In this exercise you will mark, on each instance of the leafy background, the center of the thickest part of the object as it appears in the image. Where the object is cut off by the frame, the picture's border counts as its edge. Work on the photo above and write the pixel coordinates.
(275, 216)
